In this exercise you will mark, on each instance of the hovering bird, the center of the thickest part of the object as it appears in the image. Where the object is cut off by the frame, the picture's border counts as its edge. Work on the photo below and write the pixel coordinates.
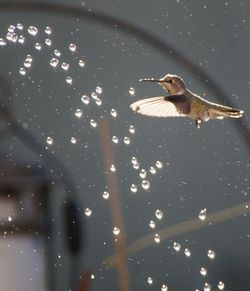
(181, 102)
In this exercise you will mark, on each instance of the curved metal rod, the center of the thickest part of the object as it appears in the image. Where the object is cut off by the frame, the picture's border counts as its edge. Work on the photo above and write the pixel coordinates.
(149, 38)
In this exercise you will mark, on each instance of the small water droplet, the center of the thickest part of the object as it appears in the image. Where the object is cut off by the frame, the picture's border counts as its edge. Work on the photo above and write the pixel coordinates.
(11, 28)
(105, 195)
(115, 139)
(112, 168)
(152, 224)
(143, 173)
(207, 287)
(133, 188)
(65, 66)
(158, 164)
(19, 26)
(57, 53)
(11, 36)
(98, 101)
(54, 62)
(2, 42)
(145, 184)
(203, 271)
(116, 230)
(187, 252)
(9, 218)
(73, 140)
(211, 254)
(134, 160)
(132, 129)
(38, 46)
(150, 280)
(87, 211)
(32, 30)
(94, 95)
(152, 170)
(164, 287)
(131, 91)
(113, 113)
(98, 89)
(81, 63)
(221, 285)
(176, 246)
(72, 47)
(157, 238)
(48, 30)
(78, 113)
(49, 140)
(93, 123)
(48, 42)
(27, 62)
(21, 39)
(69, 80)
(22, 71)
(126, 140)
(158, 214)
(203, 214)
(85, 99)
(92, 276)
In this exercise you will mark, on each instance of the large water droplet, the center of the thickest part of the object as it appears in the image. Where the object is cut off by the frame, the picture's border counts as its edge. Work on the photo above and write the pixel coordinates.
(221, 285)
(116, 230)
(32, 30)
(207, 287)
(73, 140)
(131, 91)
(115, 139)
(19, 26)
(112, 168)
(94, 95)
(145, 184)
(69, 80)
(72, 47)
(157, 238)
(176, 246)
(150, 280)
(126, 140)
(143, 173)
(81, 63)
(48, 42)
(38, 46)
(11, 36)
(113, 112)
(105, 195)
(203, 271)
(48, 30)
(187, 252)
(11, 28)
(21, 39)
(65, 66)
(211, 254)
(132, 129)
(152, 224)
(2, 42)
(22, 71)
(49, 140)
(85, 99)
(203, 214)
(98, 101)
(98, 89)
(133, 188)
(164, 287)
(158, 164)
(57, 53)
(93, 123)
(158, 214)
(78, 113)
(54, 62)
(87, 211)
(152, 170)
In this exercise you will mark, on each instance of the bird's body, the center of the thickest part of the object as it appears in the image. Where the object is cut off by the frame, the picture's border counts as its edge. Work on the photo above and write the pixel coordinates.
(181, 102)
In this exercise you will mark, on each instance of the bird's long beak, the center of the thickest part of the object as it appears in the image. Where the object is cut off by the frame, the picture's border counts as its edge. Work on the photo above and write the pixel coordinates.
(150, 80)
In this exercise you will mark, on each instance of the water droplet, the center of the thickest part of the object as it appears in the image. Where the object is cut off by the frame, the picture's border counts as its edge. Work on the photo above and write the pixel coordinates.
(22, 71)
(176, 246)
(158, 214)
(28, 61)
(2, 42)
(150, 280)
(187, 252)
(98, 101)
(134, 160)
(69, 80)
(81, 63)
(32, 30)
(105, 195)
(152, 170)
(94, 95)
(211, 254)
(116, 230)
(48, 30)
(158, 164)
(65, 66)
(145, 184)
(11, 36)
(19, 26)
(98, 89)
(92, 276)
(57, 53)
(136, 166)
(112, 168)
(126, 140)
(152, 224)
(11, 28)
(164, 287)
(113, 112)
(78, 113)
(207, 287)
(221, 285)
(203, 214)
(48, 42)
(203, 271)
(85, 99)
(73, 140)
(72, 47)
(87, 211)
(21, 39)
(54, 62)
(133, 188)
(9, 218)
(143, 173)
(131, 91)
(93, 123)
(115, 139)
(49, 140)
(38, 46)
(132, 129)
(157, 238)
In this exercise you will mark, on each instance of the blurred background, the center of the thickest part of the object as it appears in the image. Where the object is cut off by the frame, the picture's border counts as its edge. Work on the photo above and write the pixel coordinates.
(83, 178)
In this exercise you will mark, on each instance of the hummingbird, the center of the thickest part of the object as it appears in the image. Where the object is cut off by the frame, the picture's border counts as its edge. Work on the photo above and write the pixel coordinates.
(181, 102)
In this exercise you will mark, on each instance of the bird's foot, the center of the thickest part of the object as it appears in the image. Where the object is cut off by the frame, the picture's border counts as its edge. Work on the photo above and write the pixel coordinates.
(198, 123)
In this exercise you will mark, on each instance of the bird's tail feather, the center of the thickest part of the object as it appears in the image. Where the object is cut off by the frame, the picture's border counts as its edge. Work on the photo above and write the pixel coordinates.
(220, 111)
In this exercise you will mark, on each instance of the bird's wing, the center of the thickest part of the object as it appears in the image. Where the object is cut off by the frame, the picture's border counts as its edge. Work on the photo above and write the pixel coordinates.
(163, 106)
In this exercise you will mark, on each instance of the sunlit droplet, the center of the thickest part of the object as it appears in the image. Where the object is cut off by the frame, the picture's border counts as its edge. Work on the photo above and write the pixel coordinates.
(22, 71)
(132, 129)
(164, 287)
(19, 26)
(221, 285)
(176, 246)
(116, 230)
(48, 30)
(65, 66)
(2, 42)
(11, 28)
(32, 30)
(73, 140)
(203, 271)
(81, 63)
(133, 188)
(134, 160)
(211, 254)
(98, 101)
(78, 113)
(145, 184)
(126, 140)
(143, 173)
(115, 139)
(112, 168)
(150, 280)
(69, 80)
(157, 238)
(54, 62)
(48, 42)
(152, 170)
(105, 195)
(113, 112)
(94, 95)
(207, 287)
(85, 99)
(131, 91)
(38, 46)
(57, 53)
(87, 211)
(98, 89)
(158, 164)
(187, 252)
(12, 36)
(93, 123)
(49, 140)
(72, 47)
(203, 214)
(152, 224)
(158, 214)
(27, 62)
(21, 39)
(9, 218)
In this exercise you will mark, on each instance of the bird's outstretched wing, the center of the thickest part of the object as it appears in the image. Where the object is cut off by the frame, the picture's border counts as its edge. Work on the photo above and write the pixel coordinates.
(163, 106)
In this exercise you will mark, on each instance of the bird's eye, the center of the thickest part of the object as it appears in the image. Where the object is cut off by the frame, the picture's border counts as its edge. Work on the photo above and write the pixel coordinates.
(170, 81)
